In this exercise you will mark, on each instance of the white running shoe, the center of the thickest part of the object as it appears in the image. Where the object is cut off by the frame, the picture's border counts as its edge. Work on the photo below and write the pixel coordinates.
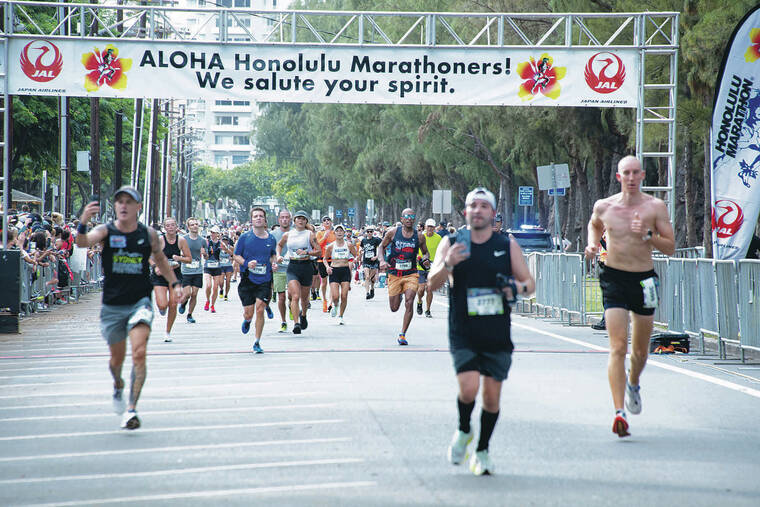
(340, 321)
(168, 338)
(130, 421)
(632, 398)
(480, 463)
(457, 452)
(334, 311)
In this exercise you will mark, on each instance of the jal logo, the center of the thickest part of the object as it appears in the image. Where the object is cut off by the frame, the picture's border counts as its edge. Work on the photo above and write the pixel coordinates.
(727, 218)
(605, 73)
(41, 61)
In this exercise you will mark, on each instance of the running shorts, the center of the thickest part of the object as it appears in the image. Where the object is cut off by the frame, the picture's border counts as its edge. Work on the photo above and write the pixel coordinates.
(322, 269)
(625, 289)
(160, 281)
(116, 321)
(249, 292)
(340, 275)
(192, 280)
(400, 284)
(371, 265)
(494, 364)
(226, 269)
(301, 271)
(423, 276)
(213, 271)
(280, 279)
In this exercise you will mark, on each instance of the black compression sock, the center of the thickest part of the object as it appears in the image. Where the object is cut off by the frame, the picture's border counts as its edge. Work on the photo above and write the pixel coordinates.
(465, 411)
(487, 424)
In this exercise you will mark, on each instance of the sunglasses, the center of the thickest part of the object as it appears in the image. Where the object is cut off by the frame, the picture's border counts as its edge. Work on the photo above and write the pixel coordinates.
(327, 220)
(409, 216)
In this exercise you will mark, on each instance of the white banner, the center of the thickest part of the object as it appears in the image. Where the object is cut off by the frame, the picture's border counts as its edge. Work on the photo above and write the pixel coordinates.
(735, 143)
(302, 73)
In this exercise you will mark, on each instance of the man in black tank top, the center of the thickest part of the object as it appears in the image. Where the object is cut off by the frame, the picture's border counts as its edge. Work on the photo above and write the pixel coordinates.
(127, 309)
(479, 323)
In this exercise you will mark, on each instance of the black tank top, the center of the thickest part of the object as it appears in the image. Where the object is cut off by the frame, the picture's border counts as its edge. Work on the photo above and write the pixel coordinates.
(125, 266)
(403, 257)
(171, 249)
(473, 323)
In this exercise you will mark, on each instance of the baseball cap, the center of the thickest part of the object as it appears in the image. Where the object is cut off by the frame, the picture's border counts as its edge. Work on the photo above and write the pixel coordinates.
(369, 228)
(130, 191)
(326, 217)
(214, 229)
(482, 194)
(339, 226)
(301, 213)
(386, 224)
(429, 222)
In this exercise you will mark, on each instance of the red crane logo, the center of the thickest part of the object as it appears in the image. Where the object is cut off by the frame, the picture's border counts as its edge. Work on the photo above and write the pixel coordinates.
(727, 222)
(47, 66)
(599, 78)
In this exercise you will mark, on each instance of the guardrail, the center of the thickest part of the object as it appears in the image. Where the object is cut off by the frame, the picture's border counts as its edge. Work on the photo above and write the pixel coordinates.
(697, 296)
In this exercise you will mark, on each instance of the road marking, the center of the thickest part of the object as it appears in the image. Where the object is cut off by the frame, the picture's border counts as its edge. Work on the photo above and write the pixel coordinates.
(164, 363)
(169, 412)
(180, 471)
(162, 369)
(151, 401)
(173, 429)
(176, 448)
(290, 488)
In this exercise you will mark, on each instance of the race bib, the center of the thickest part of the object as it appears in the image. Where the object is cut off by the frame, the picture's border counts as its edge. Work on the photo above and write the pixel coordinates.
(285, 261)
(369, 253)
(193, 265)
(403, 265)
(341, 254)
(117, 241)
(260, 269)
(173, 263)
(649, 289)
(212, 264)
(489, 301)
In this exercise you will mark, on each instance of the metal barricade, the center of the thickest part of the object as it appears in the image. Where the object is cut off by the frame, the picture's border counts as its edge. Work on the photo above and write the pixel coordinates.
(749, 304)
(663, 312)
(727, 296)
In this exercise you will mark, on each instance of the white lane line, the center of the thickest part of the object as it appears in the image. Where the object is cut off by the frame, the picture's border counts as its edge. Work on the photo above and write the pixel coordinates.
(186, 378)
(155, 364)
(290, 488)
(152, 401)
(177, 448)
(266, 368)
(173, 429)
(180, 471)
(653, 362)
(184, 411)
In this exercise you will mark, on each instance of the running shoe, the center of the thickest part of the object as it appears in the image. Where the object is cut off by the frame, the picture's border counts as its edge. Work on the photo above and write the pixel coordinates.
(297, 328)
(119, 403)
(246, 326)
(333, 311)
(324, 307)
(213, 310)
(234, 280)
(620, 426)
(368, 297)
(130, 421)
(162, 312)
(226, 298)
(207, 305)
(599, 326)
(190, 319)
(402, 339)
(270, 313)
(457, 452)
(340, 321)
(372, 293)
(313, 296)
(632, 397)
(257, 348)
(480, 463)
(283, 327)
(428, 315)
(181, 308)
(419, 308)
(304, 322)
(221, 291)
(167, 338)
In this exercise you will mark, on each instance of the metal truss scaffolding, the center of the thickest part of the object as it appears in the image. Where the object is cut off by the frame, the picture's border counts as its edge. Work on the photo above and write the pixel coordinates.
(653, 34)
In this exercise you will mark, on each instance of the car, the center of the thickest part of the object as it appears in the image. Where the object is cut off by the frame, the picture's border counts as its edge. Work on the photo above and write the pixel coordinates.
(534, 240)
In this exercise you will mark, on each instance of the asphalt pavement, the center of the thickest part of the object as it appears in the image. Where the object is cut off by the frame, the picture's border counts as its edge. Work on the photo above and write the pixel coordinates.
(342, 415)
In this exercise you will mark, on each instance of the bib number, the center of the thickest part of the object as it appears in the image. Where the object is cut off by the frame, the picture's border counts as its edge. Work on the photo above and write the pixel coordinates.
(403, 265)
(482, 302)
(649, 289)
(193, 265)
(369, 253)
(117, 241)
(173, 263)
(260, 269)
(212, 264)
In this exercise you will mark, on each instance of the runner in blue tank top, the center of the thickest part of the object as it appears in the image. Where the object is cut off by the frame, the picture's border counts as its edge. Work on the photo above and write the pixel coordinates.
(404, 242)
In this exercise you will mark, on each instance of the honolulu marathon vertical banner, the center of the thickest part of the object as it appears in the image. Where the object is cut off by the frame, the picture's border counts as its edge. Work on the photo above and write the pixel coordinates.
(735, 142)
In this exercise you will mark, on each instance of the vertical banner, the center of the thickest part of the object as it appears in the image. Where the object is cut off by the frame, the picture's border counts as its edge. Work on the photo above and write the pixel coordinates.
(735, 142)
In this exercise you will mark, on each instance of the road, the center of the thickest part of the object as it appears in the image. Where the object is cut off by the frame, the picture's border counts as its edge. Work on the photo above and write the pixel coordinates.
(341, 415)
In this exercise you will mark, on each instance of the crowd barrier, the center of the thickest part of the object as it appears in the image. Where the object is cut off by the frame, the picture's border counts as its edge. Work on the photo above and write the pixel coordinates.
(39, 289)
(698, 296)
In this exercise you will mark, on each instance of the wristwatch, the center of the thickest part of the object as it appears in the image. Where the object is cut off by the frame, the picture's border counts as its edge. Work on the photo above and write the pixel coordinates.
(648, 235)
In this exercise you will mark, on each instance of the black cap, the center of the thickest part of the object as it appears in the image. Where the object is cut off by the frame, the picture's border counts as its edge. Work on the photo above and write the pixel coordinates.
(130, 191)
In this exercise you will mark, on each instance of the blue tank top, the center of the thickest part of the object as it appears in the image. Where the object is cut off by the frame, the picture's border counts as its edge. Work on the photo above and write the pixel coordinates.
(403, 256)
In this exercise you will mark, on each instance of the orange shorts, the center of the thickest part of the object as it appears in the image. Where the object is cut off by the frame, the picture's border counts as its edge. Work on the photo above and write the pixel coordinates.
(400, 284)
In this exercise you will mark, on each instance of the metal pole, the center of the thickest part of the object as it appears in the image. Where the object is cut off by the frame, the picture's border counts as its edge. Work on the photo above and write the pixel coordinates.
(7, 187)
(556, 209)
(43, 187)
(147, 190)
(64, 129)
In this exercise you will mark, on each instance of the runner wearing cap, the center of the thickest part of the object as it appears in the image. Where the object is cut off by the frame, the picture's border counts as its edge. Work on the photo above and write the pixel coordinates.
(176, 250)
(127, 309)
(479, 319)
(324, 237)
(431, 240)
(192, 272)
(403, 243)
(280, 277)
(370, 245)
(337, 256)
(301, 244)
(212, 271)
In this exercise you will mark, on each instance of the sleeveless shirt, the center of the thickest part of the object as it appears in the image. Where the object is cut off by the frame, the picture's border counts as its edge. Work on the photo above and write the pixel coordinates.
(125, 265)
(403, 256)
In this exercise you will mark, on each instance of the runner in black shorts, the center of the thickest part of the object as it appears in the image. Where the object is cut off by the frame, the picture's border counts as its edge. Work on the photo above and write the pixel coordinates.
(338, 254)
(370, 260)
(623, 289)
(176, 251)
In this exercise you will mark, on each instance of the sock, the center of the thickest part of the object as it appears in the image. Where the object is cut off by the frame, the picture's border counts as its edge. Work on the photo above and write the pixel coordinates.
(465, 411)
(620, 411)
(487, 424)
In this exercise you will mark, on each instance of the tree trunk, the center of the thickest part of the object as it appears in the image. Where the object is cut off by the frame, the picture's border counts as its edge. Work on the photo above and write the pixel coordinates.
(681, 233)
(692, 207)
(95, 145)
(707, 226)
(118, 166)
(585, 201)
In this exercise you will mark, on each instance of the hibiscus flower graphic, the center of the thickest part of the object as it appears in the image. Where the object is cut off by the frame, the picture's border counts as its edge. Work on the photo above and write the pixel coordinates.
(540, 77)
(753, 52)
(105, 68)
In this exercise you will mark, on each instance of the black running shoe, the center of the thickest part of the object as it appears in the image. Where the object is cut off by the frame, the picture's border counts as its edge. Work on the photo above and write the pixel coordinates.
(599, 326)
(372, 293)
(297, 328)
(304, 322)
(419, 308)
(369, 296)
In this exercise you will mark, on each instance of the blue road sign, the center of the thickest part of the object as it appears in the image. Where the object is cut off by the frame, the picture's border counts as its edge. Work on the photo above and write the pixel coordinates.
(351, 212)
(557, 191)
(338, 213)
(525, 196)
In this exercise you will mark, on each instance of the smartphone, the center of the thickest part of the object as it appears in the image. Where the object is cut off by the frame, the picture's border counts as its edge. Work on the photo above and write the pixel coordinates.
(463, 236)
(95, 198)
